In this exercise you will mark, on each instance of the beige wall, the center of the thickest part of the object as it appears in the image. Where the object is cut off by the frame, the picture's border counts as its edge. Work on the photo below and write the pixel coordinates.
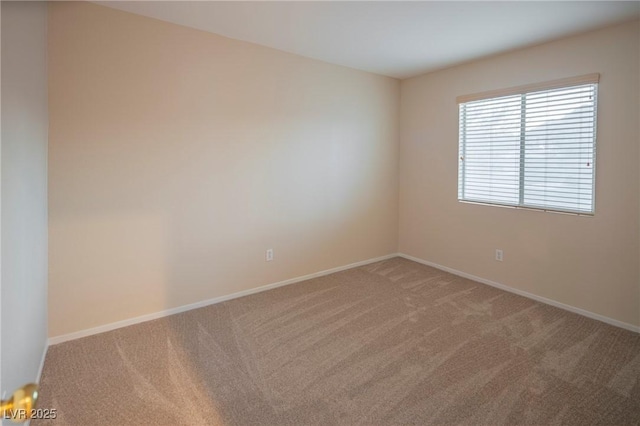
(587, 262)
(24, 193)
(177, 157)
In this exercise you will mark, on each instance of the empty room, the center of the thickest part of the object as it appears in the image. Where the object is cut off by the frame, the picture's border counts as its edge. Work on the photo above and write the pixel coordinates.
(318, 213)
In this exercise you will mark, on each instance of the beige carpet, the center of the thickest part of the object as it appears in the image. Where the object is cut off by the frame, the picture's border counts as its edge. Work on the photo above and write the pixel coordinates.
(394, 342)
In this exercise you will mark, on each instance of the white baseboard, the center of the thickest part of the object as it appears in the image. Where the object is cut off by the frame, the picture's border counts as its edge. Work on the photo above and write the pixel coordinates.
(537, 298)
(155, 315)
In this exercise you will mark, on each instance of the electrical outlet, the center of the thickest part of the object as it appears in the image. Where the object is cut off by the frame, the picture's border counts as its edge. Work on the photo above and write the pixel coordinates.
(268, 255)
(499, 255)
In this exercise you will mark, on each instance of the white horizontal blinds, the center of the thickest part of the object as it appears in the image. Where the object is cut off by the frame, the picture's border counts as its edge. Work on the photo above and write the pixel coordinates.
(560, 148)
(532, 149)
(490, 146)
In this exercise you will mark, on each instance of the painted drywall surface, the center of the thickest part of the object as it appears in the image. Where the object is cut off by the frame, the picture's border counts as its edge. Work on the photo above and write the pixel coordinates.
(177, 157)
(587, 262)
(24, 192)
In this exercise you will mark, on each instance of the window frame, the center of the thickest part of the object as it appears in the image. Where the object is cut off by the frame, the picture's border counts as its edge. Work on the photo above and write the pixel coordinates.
(522, 91)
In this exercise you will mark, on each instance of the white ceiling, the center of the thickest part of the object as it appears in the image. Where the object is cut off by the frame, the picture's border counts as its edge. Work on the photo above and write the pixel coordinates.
(395, 38)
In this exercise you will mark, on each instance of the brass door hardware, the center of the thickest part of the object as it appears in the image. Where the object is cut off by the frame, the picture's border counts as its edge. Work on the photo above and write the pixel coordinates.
(21, 405)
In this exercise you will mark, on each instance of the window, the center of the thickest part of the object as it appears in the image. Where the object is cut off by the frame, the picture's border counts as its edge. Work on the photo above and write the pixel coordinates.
(530, 147)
